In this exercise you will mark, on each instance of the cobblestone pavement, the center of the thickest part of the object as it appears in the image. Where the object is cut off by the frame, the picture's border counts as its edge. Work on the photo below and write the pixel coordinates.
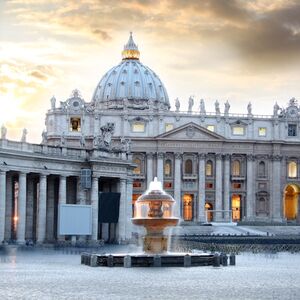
(53, 275)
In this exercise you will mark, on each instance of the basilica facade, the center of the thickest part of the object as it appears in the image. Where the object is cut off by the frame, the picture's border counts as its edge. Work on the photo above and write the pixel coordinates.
(218, 166)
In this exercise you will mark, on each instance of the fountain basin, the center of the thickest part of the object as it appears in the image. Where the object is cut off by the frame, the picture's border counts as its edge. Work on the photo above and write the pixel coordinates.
(148, 260)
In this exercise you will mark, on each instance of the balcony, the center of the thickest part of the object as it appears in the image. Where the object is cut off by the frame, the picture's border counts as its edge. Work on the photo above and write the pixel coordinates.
(189, 176)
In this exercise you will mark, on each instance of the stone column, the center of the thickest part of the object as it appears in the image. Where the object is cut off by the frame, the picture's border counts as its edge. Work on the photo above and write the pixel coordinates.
(95, 205)
(276, 192)
(8, 207)
(122, 212)
(2, 203)
(149, 168)
(21, 209)
(42, 209)
(62, 199)
(177, 184)
(201, 188)
(228, 217)
(29, 232)
(160, 167)
(80, 193)
(218, 190)
(128, 208)
(250, 199)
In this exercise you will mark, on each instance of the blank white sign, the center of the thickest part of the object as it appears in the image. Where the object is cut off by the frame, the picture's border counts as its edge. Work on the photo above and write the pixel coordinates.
(74, 219)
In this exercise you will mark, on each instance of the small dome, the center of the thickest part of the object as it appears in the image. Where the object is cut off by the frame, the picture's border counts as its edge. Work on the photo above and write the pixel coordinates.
(130, 80)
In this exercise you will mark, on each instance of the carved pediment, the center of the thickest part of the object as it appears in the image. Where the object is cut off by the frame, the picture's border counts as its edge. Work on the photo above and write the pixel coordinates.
(190, 131)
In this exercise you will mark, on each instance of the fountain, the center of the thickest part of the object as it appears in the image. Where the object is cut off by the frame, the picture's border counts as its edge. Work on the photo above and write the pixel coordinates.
(155, 211)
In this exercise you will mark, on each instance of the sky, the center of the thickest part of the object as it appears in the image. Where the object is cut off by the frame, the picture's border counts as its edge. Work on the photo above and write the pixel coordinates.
(236, 50)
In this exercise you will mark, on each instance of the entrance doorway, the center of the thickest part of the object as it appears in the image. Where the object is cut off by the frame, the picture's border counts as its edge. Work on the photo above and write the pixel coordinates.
(209, 215)
(236, 207)
(291, 202)
(188, 207)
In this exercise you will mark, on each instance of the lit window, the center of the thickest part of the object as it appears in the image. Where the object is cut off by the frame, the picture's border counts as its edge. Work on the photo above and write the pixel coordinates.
(169, 126)
(236, 168)
(168, 168)
(210, 128)
(262, 131)
(292, 130)
(137, 169)
(188, 167)
(138, 127)
(209, 168)
(292, 169)
(75, 124)
(238, 130)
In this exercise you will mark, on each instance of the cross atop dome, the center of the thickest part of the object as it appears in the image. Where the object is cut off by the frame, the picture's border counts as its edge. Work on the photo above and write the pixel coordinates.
(131, 50)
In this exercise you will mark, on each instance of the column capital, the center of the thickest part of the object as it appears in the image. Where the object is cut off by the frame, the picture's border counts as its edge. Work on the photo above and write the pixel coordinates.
(123, 180)
(129, 180)
(227, 156)
(250, 157)
(160, 155)
(22, 173)
(150, 155)
(202, 155)
(42, 175)
(219, 156)
(276, 157)
(62, 176)
(3, 172)
(178, 155)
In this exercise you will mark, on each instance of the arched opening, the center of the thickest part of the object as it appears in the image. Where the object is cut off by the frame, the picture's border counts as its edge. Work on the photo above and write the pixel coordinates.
(187, 207)
(209, 168)
(236, 168)
(291, 202)
(209, 215)
(188, 167)
(236, 207)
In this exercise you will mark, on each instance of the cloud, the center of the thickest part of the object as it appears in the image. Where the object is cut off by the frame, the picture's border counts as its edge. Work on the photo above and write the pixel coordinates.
(263, 32)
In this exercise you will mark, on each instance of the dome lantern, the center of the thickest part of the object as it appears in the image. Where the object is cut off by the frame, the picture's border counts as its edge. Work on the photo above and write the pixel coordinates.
(131, 50)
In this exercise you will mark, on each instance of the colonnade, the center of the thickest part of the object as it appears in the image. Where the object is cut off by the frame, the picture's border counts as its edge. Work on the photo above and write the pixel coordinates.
(15, 205)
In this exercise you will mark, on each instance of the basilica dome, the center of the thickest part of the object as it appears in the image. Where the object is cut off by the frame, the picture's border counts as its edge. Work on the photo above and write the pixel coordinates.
(130, 83)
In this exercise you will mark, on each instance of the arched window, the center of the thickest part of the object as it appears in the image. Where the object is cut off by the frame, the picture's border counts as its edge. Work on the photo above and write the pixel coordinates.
(261, 169)
(236, 168)
(292, 169)
(188, 167)
(168, 168)
(137, 169)
(209, 168)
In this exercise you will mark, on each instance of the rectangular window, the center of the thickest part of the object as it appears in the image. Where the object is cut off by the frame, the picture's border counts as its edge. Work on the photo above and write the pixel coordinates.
(292, 130)
(262, 131)
(168, 126)
(75, 124)
(238, 130)
(137, 184)
(210, 128)
(138, 127)
(167, 185)
(236, 186)
(209, 185)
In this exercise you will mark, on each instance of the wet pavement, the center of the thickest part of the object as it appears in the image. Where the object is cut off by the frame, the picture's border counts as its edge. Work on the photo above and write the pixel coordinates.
(50, 274)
